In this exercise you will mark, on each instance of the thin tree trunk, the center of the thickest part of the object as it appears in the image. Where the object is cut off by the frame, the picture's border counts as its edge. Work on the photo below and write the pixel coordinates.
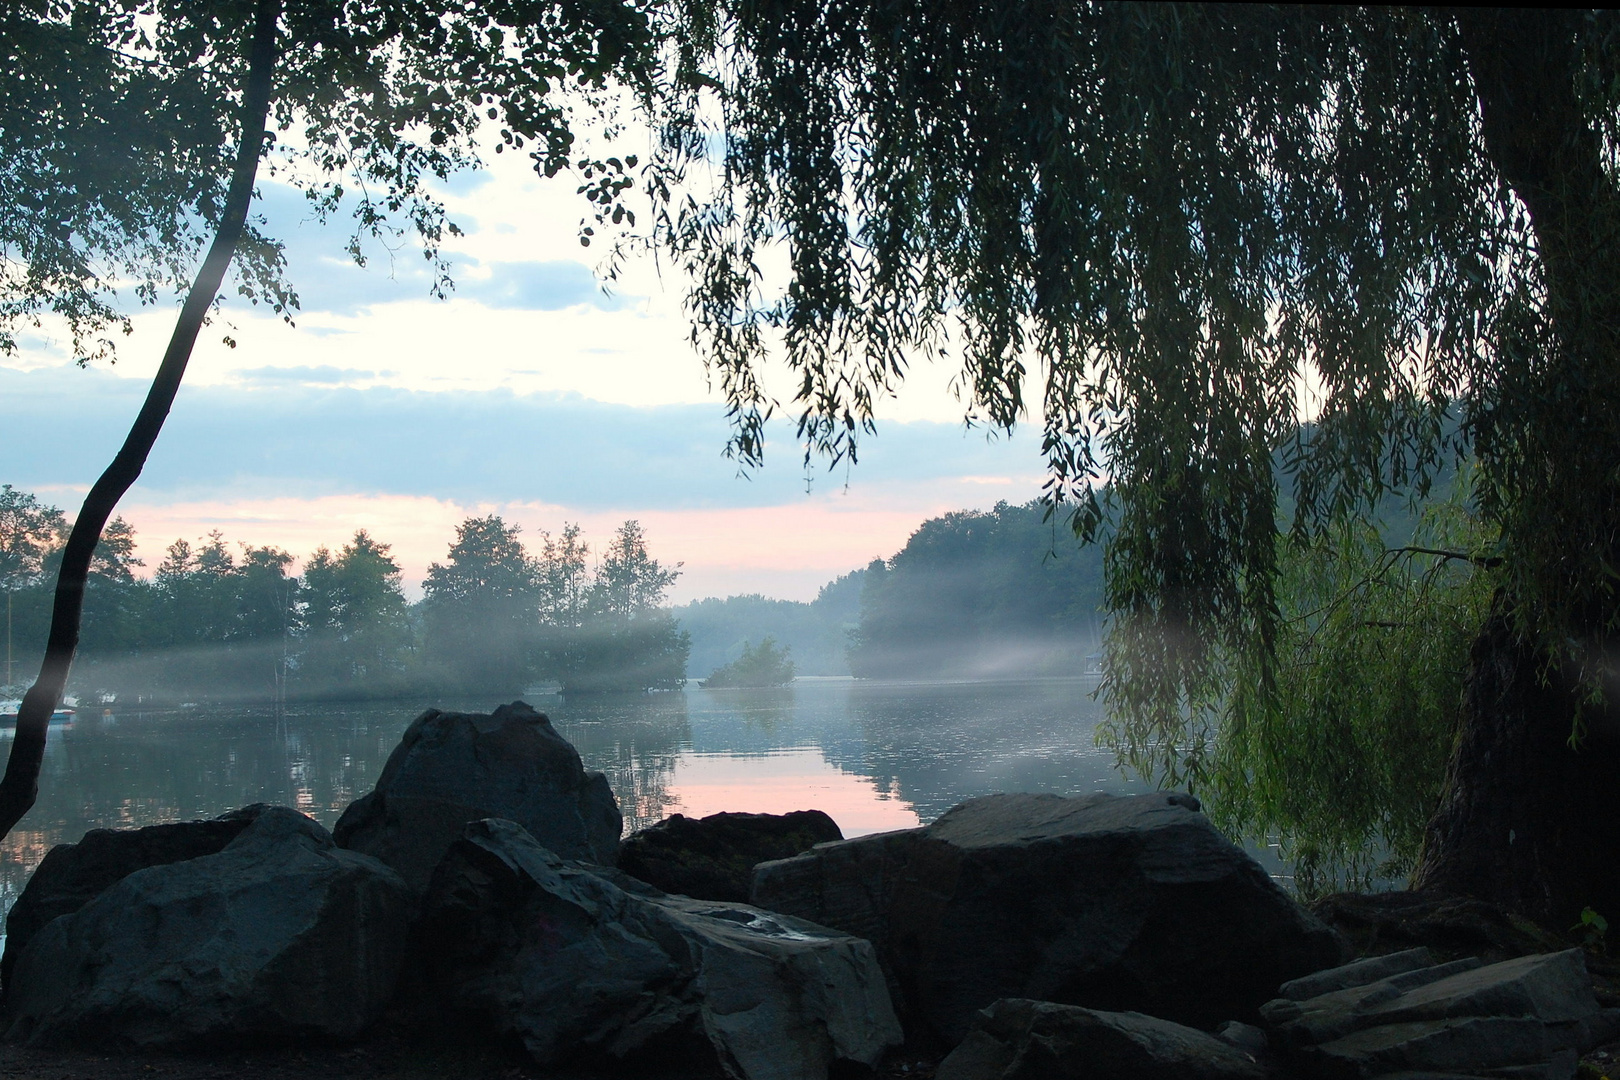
(1527, 817)
(20, 786)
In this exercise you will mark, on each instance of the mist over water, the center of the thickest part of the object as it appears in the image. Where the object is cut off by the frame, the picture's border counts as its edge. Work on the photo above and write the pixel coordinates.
(873, 755)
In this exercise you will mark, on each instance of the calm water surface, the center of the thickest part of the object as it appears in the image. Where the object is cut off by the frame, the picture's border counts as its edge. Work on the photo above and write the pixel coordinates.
(875, 756)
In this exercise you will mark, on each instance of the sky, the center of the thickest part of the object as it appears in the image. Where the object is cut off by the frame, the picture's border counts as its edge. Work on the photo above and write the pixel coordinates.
(531, 393)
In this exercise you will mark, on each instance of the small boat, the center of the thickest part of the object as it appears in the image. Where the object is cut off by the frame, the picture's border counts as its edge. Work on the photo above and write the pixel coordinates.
(63, 716)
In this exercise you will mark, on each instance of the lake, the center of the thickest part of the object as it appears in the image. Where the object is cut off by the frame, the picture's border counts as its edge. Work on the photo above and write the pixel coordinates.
(875, 756)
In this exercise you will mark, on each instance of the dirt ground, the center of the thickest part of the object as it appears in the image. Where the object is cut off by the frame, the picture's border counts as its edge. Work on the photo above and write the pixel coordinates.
(386, 1057)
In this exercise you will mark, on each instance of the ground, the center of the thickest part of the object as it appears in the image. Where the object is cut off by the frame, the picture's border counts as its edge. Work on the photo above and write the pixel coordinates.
(383, 1057)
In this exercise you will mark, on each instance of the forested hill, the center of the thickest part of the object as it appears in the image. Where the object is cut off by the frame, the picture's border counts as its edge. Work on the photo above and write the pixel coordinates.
(975, 594)
(972, 594)
(816, 633)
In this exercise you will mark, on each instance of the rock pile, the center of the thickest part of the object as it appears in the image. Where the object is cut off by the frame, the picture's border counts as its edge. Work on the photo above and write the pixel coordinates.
(1018, 1039)
(72, 875)
(452, 768)
(713, 858)
(1031, 936)
(279, 935)
(586, 964)
(1405, 1015)
(1133, 903)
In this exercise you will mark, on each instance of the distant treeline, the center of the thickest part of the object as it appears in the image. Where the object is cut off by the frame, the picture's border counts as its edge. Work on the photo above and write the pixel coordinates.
(212, 623)
(973, 594)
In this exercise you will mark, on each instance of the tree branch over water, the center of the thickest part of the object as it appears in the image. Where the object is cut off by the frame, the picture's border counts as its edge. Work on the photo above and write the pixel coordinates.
(20, 786)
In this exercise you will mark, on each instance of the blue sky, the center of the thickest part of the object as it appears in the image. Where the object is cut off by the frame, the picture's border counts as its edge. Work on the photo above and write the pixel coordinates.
(531, 393)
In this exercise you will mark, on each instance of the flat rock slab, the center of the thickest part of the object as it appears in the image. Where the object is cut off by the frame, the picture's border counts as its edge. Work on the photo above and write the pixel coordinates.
(585, 964)
(1019, 1039)
(280, 936)
(1359, 973)
(72, 875)
(713, 858)
(453, 768)
(1527, 1017)
(1133, 903)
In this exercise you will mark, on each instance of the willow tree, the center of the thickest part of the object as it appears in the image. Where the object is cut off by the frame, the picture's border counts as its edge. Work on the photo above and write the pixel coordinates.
(132, 135)
(1170, 233)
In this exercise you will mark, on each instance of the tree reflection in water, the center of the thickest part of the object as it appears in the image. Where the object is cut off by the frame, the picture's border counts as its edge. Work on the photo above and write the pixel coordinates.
(910, 750)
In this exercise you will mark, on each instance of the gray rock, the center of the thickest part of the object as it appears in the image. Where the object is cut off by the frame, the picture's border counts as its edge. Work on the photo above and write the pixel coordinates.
(1552, 988)
(281, 935)
(713, 858)
(1245, 1037)
(1526, 1017)
(1359, 973)
(1018, 1039)
(453, 768)
(72, 875)
(1339, 1012)
(585, 964)
(1114, 903)
(1468, 1045)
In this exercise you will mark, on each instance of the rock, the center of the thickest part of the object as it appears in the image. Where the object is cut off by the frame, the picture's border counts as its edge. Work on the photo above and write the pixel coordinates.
(453, 768)
(1245, 1037)
(1018, 1039)
(1450, 926)
(280, 935)
(1530, 1016)
(587, 965)
(1359, 973)
(72, 875)
(1132, 903)
(713, 858)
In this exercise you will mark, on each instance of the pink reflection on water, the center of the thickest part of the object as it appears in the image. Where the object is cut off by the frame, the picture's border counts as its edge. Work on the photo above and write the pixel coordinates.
(776, 783)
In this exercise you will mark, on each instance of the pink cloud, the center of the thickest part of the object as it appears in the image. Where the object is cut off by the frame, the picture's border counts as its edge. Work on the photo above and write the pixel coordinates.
(782, 551)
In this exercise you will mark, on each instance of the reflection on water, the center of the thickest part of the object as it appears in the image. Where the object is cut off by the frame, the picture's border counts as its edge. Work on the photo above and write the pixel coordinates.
(874, 756)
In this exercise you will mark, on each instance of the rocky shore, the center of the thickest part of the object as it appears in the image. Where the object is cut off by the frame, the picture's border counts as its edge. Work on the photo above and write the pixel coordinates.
(477, 915)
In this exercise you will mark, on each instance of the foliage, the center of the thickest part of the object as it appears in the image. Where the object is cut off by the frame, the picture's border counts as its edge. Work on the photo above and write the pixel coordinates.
(221, 620)
(765, 665)
(817, 632)
(1155, 226)
(356, 619)
(480, 609)
(976, 593)
(610, 632)
(117, 127)
(1343, 763)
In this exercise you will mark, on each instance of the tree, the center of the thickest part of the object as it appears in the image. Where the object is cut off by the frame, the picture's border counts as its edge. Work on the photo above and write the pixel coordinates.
(28, 531)
(481, 609)
(977, 592)
(129, 132)
(610, 631)
(356, 621)
(1168, 231)
(763, 666)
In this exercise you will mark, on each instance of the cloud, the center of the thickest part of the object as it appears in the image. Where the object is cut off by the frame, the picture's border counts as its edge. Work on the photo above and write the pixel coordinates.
(329, 281)
(306, 436)
(323, 375)
(538, 286)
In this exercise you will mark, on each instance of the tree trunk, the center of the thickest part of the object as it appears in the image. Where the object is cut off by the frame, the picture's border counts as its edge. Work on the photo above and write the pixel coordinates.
(1527, 819)
(20, 786)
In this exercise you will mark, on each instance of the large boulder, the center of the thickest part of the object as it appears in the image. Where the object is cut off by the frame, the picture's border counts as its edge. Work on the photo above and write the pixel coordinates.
(1396, 1015)
(588, 966)
(280, 935)
(72, 875)
(1117, 903)
(453, 768)
(713, 858)
(1018, 1039)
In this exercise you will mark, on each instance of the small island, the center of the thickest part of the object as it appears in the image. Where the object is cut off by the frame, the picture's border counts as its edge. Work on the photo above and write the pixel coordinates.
(756, 667)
